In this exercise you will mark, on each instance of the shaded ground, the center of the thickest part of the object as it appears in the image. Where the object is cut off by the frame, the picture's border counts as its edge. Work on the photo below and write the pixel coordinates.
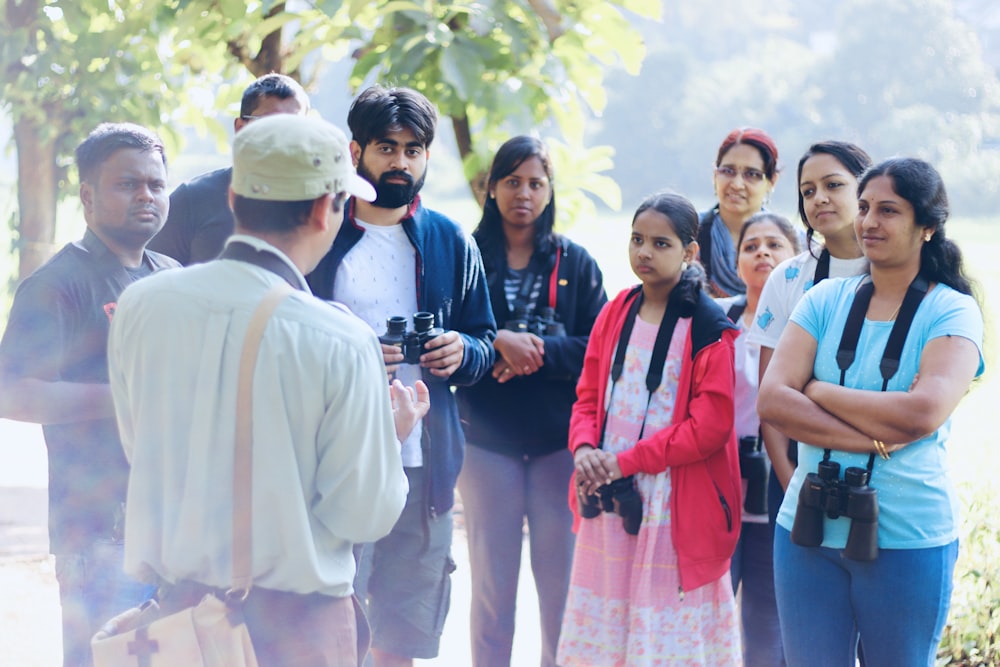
(29, 598)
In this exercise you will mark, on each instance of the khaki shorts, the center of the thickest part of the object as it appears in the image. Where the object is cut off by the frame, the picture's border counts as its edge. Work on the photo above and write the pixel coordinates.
(406, 578)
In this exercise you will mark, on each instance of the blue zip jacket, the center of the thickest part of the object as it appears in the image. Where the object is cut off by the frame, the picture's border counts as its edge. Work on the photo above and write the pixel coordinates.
(450, 283)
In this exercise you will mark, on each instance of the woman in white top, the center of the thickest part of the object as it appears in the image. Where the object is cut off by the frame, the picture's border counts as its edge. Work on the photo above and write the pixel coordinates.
(828, 176)
(765, 240)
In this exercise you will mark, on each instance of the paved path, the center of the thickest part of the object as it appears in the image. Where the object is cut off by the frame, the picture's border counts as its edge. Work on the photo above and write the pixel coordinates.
(29, 599)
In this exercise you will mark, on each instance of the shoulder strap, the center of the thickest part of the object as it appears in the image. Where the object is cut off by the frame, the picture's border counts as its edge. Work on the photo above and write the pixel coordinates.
(244, 252)
(897, 336)
(705, 241)
(654, 374)
(736, 308)
(243, 456)
(554, 278)
(822, 271)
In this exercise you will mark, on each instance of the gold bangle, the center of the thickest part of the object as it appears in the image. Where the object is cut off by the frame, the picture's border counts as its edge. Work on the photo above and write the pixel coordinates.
(880, 449)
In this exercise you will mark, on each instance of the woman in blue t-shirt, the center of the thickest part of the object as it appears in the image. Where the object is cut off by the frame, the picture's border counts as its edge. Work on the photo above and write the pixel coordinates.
(847, 560)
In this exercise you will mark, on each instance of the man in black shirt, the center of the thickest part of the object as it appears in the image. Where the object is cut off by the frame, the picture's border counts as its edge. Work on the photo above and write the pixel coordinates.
(200, 219)
(54, 372)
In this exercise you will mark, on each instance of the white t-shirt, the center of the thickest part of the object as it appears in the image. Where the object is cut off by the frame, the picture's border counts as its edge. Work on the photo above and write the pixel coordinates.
(376, 281)
(746, 363)
(783, 289)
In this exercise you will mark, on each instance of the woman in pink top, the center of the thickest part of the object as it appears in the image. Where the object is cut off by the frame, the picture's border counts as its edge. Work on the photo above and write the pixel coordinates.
(657, 477)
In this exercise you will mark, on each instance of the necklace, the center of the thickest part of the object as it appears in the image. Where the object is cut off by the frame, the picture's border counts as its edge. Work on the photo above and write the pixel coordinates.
(892, 318)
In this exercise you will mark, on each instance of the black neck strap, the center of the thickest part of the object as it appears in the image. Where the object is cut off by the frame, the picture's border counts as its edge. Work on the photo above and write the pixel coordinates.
(737, 308)
(654, 375)
(897, 337)
(822, 271)
(244, 252)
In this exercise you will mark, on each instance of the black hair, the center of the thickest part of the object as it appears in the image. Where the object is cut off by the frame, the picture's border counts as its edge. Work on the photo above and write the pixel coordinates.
(378, 111)
(110, 137)
(783, 224)
(274, 217)
(852, 157)
(920, 184)
(489, 232)
(271, 85)
(683, 218)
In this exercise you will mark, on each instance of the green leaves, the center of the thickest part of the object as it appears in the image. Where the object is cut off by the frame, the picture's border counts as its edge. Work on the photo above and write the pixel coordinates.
(496, 67)
(494, 63)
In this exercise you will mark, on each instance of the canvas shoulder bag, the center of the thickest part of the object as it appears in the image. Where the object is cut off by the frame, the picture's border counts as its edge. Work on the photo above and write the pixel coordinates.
(212, 633)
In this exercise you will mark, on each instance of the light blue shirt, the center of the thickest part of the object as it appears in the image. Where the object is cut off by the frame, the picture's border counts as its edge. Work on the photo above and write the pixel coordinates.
(918, 506)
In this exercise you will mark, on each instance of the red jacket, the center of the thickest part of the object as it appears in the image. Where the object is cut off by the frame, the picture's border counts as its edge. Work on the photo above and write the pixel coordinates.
(699, 447)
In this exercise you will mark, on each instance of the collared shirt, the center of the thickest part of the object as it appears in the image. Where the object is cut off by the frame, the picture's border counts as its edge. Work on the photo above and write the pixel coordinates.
(326, 465)
(57, 331)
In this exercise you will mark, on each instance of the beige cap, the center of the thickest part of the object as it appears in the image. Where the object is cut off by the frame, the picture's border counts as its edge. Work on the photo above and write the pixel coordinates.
(287, 157)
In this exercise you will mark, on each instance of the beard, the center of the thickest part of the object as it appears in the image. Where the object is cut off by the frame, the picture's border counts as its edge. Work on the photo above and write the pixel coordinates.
(392, 195)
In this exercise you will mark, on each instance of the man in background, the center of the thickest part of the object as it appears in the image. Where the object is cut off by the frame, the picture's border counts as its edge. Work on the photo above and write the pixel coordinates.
(54, 372)
(200, 219)
(393, 256)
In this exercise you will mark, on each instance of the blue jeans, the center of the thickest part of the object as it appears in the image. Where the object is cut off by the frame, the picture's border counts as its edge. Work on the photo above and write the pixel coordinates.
(92, 589)
(498, 492)
(753, 567)
(898, 603)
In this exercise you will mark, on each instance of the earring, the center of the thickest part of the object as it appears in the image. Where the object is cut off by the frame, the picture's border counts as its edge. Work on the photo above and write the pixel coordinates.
(927, 236)
(684, 267)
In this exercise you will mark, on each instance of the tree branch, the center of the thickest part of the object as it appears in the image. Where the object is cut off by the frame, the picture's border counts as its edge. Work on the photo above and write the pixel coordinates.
(463, 139)
(550, 17)
(270, 57)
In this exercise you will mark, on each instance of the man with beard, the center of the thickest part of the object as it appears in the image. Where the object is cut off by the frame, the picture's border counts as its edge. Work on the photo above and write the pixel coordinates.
(54, 372)
(200, 219)
(394, 257)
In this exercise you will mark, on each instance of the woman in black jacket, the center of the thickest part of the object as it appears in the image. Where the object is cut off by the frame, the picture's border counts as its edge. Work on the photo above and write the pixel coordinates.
(546, 292)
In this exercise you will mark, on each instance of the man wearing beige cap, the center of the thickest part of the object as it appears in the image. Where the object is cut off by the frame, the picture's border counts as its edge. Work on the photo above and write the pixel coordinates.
(326, 462)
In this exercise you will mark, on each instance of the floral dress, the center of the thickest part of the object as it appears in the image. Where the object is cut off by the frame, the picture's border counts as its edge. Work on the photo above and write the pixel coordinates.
(625, 605)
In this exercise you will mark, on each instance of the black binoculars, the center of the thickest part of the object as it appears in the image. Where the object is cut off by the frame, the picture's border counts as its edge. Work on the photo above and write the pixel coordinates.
(823, 492)
(411, 342)
(542, 324)
(753, 468)
(619, 497)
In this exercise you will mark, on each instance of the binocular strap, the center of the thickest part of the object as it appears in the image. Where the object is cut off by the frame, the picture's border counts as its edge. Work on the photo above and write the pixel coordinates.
(897, 337)
(654, 375)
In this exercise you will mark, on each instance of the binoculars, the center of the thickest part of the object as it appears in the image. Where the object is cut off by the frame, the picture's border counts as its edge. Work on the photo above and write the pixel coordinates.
(753, 468)
(619, 497)
(411, 342)
(824, 493)
(542, 324)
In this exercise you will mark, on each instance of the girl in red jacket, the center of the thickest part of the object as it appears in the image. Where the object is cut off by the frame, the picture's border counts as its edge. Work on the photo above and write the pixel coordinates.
(657, 468)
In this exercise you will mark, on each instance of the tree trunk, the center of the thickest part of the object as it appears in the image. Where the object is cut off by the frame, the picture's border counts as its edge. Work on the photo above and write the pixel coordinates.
(463, 139)
(37, 191)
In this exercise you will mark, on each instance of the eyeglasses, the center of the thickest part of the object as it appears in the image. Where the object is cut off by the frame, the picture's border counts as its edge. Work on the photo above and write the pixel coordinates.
(250, 117)
(750, 175)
